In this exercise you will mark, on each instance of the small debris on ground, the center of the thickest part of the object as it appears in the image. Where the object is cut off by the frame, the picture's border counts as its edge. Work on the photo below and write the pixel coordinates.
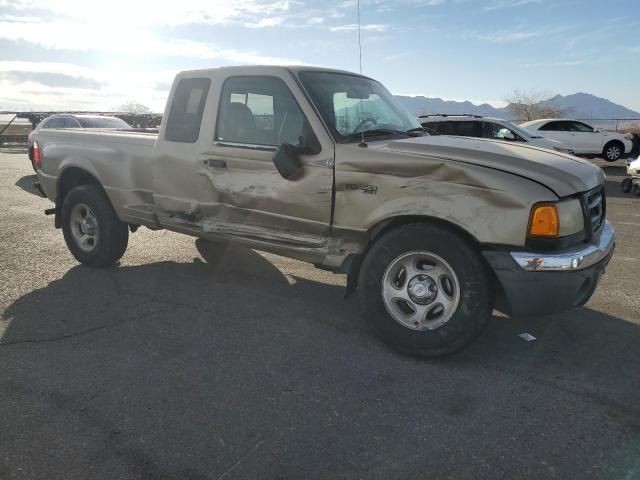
(527, 336)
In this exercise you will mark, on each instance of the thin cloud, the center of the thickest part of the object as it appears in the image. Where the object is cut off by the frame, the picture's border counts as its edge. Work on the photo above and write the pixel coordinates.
(266, 22)
(500, 4)
(51, 79)
(510, 36)
(371, 27)
(62, 36)
(149, 13)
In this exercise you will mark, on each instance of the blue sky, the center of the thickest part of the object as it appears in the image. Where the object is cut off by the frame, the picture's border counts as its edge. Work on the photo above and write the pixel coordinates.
(86, 54)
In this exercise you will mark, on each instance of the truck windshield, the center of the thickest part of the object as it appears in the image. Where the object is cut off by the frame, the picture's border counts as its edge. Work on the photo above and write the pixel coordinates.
(350, 105)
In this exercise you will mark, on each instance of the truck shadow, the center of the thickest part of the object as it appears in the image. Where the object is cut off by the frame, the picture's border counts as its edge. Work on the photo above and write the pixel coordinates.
(237, 285)
(26, 184)
(234, 348)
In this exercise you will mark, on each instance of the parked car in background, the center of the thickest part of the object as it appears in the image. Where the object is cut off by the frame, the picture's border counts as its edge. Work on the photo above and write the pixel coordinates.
(75, 121)
(487, 127)
(582, 138)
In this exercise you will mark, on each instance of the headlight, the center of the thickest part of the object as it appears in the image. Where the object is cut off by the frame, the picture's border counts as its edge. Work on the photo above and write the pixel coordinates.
(571, 217)
(560, 219)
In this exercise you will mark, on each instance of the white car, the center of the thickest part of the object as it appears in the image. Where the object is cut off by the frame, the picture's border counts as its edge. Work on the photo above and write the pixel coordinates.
(583, 138)
(487, 127)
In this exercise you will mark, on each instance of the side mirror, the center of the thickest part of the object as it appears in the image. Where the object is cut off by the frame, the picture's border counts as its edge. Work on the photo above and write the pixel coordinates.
(287, 160)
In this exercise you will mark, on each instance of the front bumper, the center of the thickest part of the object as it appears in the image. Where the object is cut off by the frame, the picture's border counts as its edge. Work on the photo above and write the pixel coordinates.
(543, 283)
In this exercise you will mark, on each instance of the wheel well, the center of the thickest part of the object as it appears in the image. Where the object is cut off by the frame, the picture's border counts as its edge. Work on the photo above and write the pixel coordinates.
(385, 226)
(617, 142)
(353, 263)
(71, 178)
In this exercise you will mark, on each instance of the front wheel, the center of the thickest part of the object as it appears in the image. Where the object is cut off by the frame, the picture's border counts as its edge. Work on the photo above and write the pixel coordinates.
(626, 185)
(425, 290)
(613, 151)
(93, 233)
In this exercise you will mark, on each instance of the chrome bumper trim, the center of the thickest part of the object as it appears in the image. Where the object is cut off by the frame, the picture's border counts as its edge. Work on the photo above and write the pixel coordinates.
(573, 259)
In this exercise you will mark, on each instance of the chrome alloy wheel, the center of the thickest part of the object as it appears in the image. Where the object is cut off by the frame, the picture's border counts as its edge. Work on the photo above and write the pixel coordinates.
(84, 227)
(613, 152)
(420, 290)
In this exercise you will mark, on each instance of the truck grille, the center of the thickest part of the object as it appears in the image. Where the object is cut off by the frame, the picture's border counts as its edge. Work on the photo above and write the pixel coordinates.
(595, 206)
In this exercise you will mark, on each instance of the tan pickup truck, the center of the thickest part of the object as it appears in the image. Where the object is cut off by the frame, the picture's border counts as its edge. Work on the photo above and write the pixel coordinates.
(326, 167)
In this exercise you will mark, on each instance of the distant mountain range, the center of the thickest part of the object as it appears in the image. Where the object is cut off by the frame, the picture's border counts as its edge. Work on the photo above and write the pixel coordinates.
(578, 105)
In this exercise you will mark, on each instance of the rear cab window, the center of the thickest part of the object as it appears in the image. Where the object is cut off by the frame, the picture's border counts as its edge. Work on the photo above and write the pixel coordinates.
(187, 107)
(55, 123)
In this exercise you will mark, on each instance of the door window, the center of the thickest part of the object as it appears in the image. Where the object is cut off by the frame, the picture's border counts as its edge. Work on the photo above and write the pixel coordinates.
(499, 132)
(433, 127)
(261, 111)
(492, 130)
(559, 126)
(580, 127)
(466, 129)
(553, 127)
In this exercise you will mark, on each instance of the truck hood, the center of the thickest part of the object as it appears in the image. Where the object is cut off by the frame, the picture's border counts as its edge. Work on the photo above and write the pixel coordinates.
(564, 174)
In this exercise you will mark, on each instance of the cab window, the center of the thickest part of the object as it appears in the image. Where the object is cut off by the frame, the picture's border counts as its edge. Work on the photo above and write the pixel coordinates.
(185, 116)
(261, 111)
(71, 123)
(55, 123)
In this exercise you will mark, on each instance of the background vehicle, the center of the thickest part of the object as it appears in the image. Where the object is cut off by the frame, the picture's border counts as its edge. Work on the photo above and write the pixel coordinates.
(487, 127)
(326, 167)
(582, 138)
(75, 121)
(631, 184)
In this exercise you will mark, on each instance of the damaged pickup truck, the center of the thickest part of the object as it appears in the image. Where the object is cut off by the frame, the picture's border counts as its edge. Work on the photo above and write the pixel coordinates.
(326, 167)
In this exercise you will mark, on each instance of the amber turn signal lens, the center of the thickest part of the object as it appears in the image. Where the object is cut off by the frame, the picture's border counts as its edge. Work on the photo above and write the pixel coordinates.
(544, 221)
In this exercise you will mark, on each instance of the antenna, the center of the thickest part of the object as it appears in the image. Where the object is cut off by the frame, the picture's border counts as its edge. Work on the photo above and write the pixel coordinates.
(362, 143)
(359, 41)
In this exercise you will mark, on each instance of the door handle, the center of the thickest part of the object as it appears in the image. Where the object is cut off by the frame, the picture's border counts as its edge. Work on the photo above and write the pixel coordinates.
(215, 163)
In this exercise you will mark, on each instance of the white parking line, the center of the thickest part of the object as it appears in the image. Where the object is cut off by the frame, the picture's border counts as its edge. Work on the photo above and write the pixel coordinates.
(627, 223)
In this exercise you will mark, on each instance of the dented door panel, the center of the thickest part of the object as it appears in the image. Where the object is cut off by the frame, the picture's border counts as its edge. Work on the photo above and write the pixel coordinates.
(247, 197)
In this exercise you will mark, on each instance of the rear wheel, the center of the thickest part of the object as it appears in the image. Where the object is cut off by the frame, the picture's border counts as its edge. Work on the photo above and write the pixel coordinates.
(425, 290)
(93, 233)
(613, 151)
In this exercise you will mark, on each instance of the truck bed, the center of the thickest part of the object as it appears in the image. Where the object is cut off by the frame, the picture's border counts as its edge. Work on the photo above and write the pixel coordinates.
(120, 160)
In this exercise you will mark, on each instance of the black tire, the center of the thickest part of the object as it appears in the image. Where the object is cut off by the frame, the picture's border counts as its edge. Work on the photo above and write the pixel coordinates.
(626, 185)
(635, 189)
(112, 234)
(612, 151)
(476, 296)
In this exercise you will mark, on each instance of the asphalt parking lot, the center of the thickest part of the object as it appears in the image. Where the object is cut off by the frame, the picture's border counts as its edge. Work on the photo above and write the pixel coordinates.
(192, 363)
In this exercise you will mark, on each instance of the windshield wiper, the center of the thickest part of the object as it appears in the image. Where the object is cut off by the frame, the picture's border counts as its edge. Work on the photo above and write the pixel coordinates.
(419, 130)
(375, 132)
